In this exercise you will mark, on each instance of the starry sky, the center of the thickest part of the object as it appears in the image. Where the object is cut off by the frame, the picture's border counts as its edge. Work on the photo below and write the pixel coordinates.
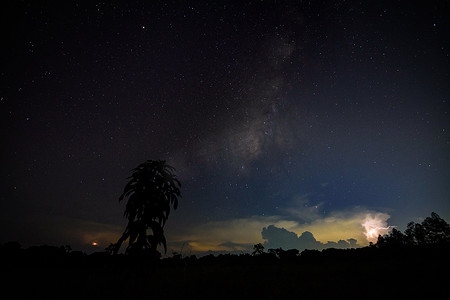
(279, 116)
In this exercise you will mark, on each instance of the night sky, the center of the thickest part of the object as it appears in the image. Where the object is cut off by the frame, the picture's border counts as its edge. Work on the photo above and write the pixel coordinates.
(319, 116)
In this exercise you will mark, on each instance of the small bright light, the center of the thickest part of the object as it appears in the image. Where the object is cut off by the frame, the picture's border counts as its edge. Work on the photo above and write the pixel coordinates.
(94, 244)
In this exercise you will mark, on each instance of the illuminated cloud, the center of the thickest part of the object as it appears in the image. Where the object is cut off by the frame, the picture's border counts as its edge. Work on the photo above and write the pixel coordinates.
(345, 225)
(375, 225)
(339, 229)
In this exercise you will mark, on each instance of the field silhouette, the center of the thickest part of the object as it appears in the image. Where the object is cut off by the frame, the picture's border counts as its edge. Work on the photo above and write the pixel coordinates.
(380, 271)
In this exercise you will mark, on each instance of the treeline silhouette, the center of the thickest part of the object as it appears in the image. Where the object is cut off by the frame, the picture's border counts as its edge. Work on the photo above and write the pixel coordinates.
(13, 255)
(432, 231)
(400, 265)
(430, 236)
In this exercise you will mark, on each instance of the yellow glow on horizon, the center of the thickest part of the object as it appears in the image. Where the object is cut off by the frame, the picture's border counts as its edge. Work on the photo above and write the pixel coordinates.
(362, 225)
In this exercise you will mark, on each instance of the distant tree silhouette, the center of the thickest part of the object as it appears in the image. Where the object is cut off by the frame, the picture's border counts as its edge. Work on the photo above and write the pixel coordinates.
(258, 249)
(433, 230)
(277, 252)
(289, 254)
(152, 190)
(395, 238)
(415, 234)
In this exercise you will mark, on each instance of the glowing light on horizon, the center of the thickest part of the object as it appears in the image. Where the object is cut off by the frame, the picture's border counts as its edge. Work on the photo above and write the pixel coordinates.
(375, 225)
(94, 244)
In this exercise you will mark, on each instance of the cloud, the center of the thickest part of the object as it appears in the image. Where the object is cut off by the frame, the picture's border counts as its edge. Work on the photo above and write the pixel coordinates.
(375, 225)
(346, 224)
(360, 223)
(279, 237)
(340, 229)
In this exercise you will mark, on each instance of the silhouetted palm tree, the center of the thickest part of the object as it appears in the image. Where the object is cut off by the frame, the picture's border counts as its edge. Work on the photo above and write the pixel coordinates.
(151, 191)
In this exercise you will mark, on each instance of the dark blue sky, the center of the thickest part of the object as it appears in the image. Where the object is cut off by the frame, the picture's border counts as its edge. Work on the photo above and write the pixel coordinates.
(293, 114)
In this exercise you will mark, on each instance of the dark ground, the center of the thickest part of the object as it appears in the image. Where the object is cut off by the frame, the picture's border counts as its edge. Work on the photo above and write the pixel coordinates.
(366, 273)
